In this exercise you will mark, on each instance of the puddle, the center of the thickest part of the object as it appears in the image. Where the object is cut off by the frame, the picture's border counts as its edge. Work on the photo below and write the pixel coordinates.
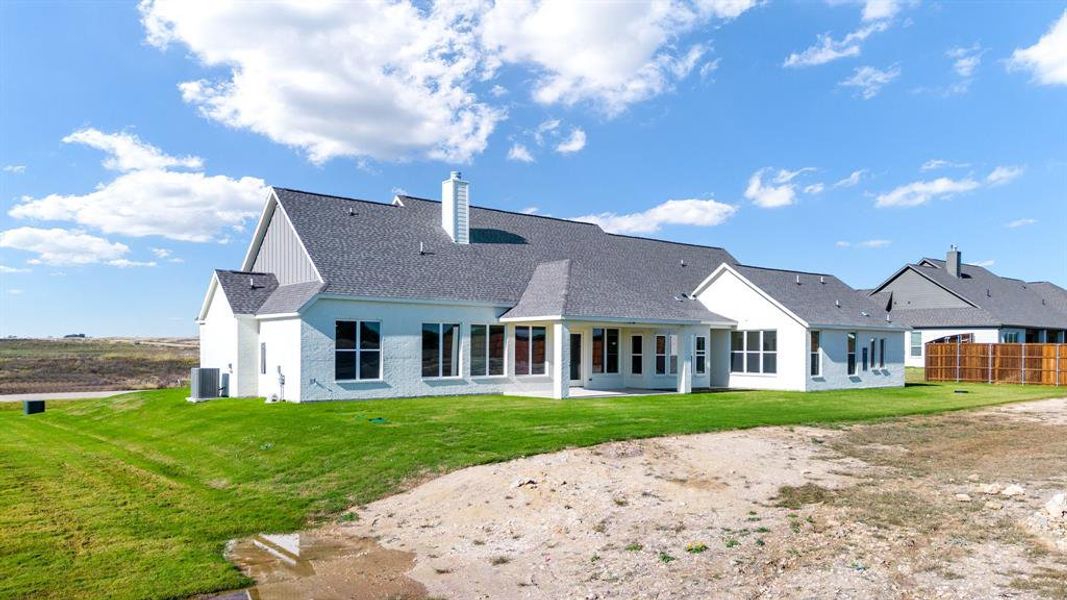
(323, 566)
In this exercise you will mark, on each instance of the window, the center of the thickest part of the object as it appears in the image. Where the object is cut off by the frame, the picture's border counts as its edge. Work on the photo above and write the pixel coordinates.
(916, 343)
(487, 350)
(674, 353)
(262, 359)
(864, 359)
(636, 354)
(529, 350)
(357, 350)
(816, 357)
(872, 353)
(754, 351)
(701, 355)
(661, 355)
(605, 350)
(1011, 337)
(881, 353)
(852, 353)
(440, 349)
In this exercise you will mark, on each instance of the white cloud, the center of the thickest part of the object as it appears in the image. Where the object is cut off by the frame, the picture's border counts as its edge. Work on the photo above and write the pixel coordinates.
(611, 54)
(863, 244)
(815, 188)
(985, 263)
(697, 212)
(369, 79)
(965, 59)
(520, 153)
(179, 205)
(785, 176)
(921, 192)
(574, 143)
(1004, 174)
(393, 80)
(1020, 223)
(852, 180)
(58, 246)
(10, 270)
(874, 10)
(708, 68)
(123, 263)
(14, 291)
(531, 210)
(769, 196)
(15, 169)
(827, 49)
(937, 163)
(166, 254)
(869, 80)
(126, 152)
(1047, 59)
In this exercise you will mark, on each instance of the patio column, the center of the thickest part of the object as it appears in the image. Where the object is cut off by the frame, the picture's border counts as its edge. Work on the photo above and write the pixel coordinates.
(561, 360)
(686, 342)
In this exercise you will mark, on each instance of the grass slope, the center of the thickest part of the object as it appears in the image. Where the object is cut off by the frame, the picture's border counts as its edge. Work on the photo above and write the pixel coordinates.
(135, 497)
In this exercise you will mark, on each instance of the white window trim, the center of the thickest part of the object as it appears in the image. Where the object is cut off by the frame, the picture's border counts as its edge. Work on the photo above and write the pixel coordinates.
(665, 354)
(855, 359)
(529, 350)
(604, 351)
(912, 345)
(357, 351)
(441, 352)
(639, 355)
(698, 353)
(744, 352)
(503, 375)
(815, 355)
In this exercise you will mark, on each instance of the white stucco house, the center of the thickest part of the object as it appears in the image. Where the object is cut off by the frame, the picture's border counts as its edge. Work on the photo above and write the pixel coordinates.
(949, 300)
(344, 299)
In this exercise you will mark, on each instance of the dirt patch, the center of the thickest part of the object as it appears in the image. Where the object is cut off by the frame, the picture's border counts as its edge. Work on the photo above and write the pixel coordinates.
(939, 506)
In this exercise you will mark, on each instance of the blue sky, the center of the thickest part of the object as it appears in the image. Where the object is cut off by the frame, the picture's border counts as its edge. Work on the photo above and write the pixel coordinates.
(844, 136)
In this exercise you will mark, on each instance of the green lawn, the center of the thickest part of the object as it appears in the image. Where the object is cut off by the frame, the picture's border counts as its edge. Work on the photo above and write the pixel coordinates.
(134, 498)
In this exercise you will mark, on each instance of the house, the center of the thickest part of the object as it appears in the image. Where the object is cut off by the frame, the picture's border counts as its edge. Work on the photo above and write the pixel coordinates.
(949, 300)
(340, 298)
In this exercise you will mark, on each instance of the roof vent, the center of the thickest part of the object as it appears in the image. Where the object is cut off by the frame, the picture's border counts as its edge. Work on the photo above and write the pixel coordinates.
(422, 249)
(822, 280)
(865, 313)
(351, 212)
(988, 294)
(682, 262)
(837, 303)
(887, 319)
(252, 283)
(798, 279)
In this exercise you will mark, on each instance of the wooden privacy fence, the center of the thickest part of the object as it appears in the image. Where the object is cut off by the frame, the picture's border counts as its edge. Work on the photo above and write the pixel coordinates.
(1038, 364)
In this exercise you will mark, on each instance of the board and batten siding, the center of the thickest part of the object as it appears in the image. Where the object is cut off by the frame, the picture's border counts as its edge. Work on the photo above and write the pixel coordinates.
(911, 290)
(282, 254)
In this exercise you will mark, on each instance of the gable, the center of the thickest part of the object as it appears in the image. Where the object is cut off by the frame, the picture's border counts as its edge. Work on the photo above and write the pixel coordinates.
(913, 291)
(280, 252)
(729, 294)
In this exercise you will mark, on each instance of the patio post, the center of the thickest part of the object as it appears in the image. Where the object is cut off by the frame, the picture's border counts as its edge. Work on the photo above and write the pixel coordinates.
(561, 360)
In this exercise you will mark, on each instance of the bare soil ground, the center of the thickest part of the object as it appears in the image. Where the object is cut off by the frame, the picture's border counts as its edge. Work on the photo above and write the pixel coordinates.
(911, 508)
(81, 365)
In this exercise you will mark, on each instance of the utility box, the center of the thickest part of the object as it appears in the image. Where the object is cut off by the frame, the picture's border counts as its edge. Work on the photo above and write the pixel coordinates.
(204, 384)
(32, 407)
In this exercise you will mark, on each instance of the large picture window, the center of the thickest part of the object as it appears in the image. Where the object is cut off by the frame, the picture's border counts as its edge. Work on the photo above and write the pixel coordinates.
(852, 353)
(636, 354)
(916, 343)
(529, 350)
(605, 350)
(440, 349)
(816, 355)
(357, 350)
(487, 350)
(701, 355)
(754, 351)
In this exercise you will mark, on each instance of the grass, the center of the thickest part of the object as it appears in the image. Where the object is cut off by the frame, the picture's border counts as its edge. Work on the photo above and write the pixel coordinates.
(135, 497)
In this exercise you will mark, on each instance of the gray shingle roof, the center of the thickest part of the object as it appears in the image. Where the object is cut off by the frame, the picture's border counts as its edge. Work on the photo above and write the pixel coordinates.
(246, 291)
(375, 253)
(999, 301)
(579, 290)
(816, 298)
(290, 298)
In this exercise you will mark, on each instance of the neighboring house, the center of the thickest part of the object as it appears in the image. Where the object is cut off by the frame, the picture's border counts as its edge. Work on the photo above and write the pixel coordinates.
(348, 299)
(948, 300)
